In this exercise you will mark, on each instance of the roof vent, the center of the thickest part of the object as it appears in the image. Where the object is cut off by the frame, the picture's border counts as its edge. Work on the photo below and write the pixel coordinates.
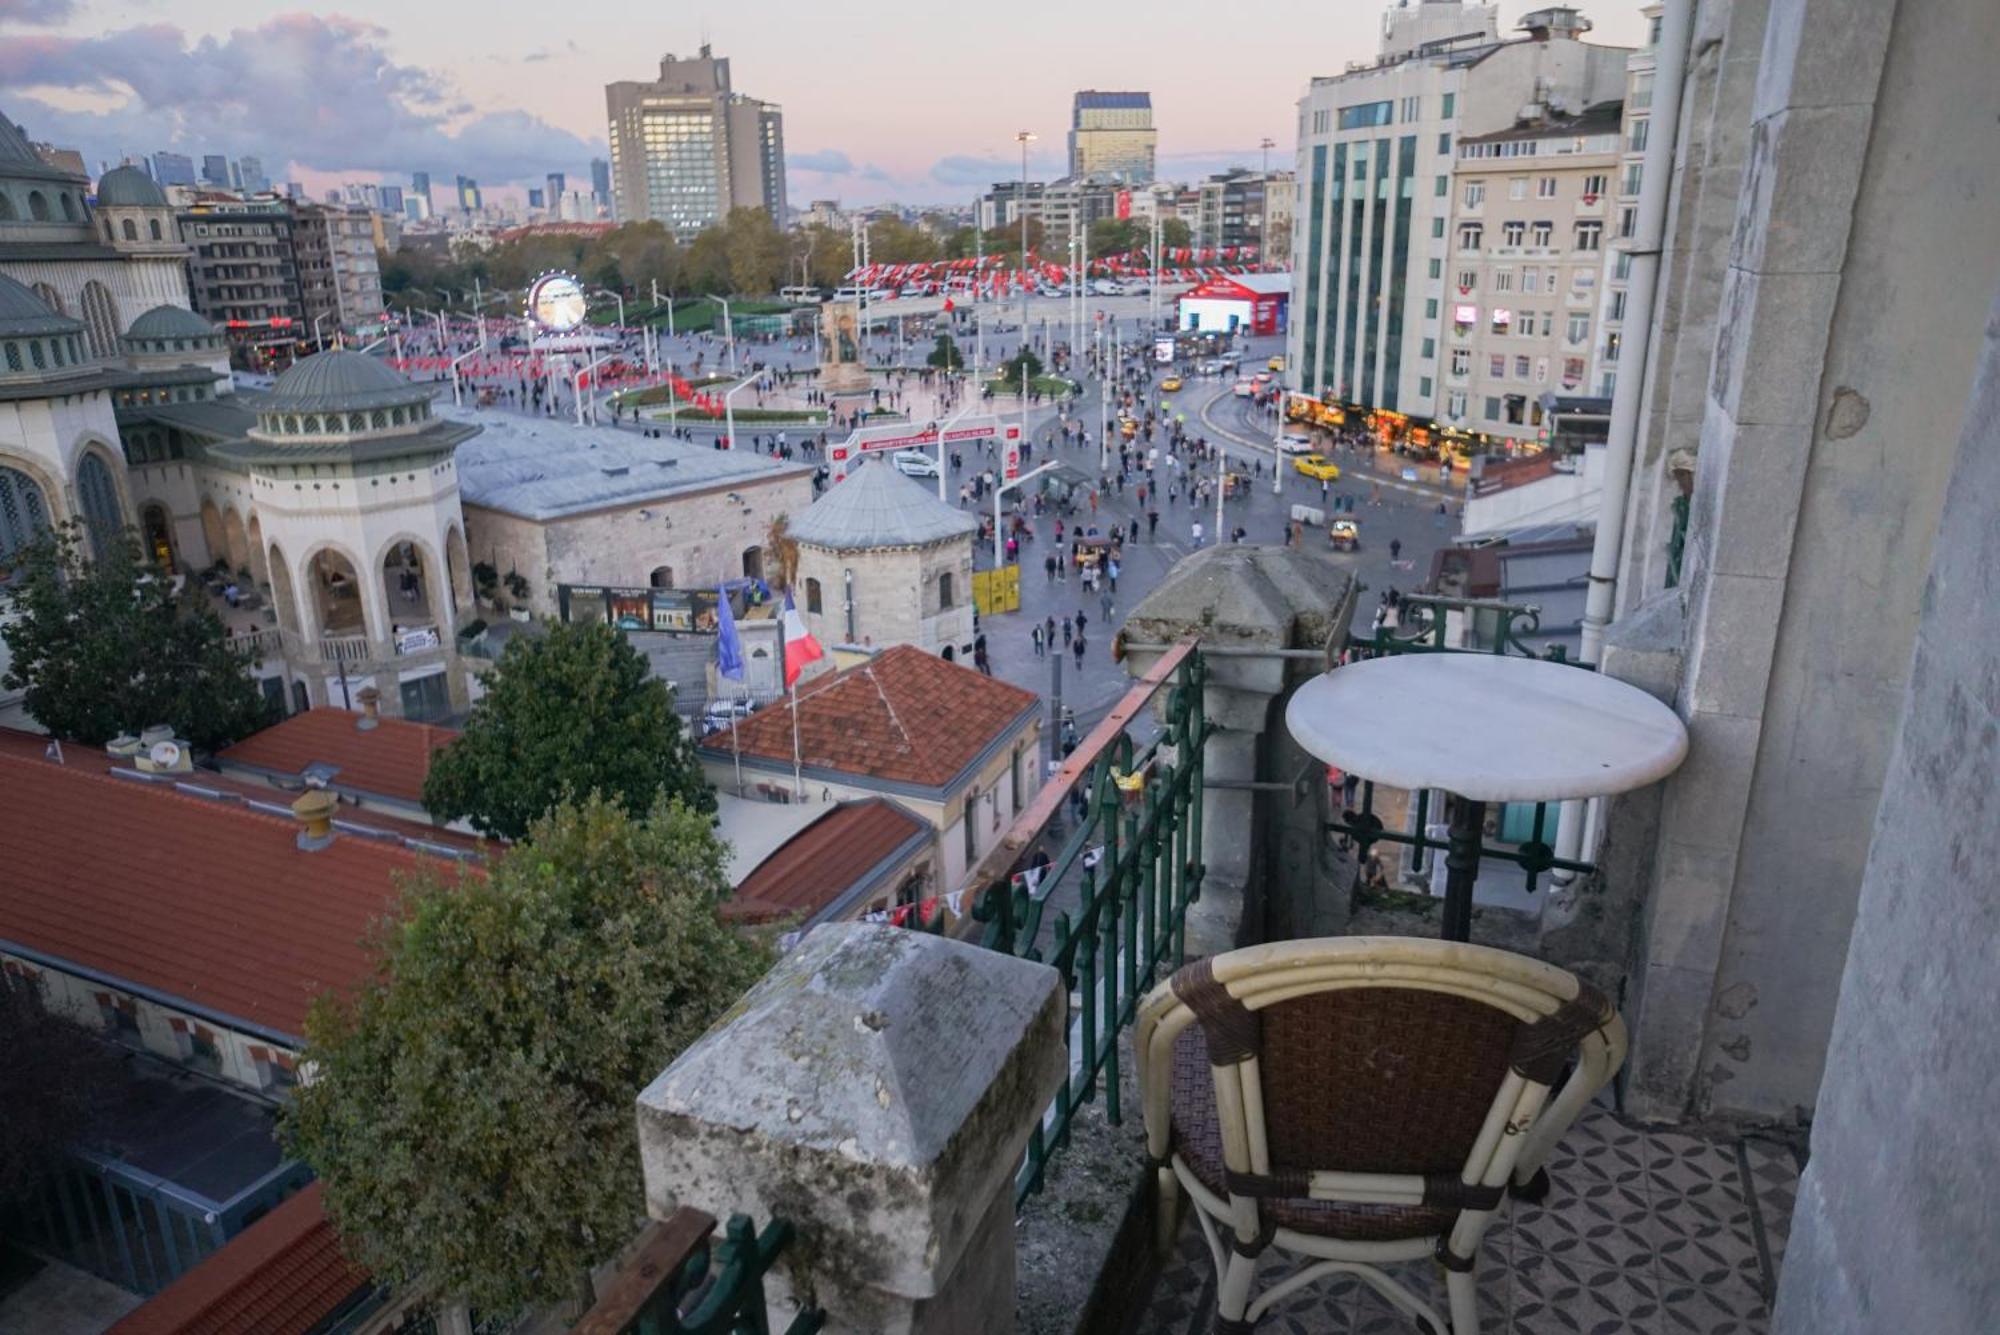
(314, 813)
(616, 470)
(371, 705)
(159, 732)
(165, 756)
(318, 774)
(122, 747)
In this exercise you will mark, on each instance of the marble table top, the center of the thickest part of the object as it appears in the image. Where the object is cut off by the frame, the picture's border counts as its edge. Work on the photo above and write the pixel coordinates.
(1490, 727)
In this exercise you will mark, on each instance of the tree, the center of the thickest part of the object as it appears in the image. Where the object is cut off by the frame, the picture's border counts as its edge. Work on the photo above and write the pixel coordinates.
(946, 354)
(104, 647)
(1011, 372)
(56, 1071)
(1174, 233)
(573, 711)
(470, 1111)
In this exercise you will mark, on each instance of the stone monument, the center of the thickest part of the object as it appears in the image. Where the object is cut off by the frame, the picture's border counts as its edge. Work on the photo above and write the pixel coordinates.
(843, 368)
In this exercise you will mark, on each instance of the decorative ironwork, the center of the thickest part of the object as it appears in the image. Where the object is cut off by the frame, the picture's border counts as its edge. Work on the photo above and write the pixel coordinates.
(97, 497)
(682, 1281)
(1677, 538)
(24, 516)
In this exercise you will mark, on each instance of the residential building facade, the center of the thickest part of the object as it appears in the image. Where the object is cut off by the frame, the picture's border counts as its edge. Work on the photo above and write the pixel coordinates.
(1111, 135)
(340, 280)
(243, 274)
(1238, 207)
(686, 148)
(1527, 248)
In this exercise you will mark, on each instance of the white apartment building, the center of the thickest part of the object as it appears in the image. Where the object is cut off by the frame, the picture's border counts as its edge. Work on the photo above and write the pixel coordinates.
(1610, 328)
(1376, 157)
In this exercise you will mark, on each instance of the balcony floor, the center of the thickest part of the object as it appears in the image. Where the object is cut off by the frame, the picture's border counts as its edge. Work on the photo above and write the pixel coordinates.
(1645, 1231)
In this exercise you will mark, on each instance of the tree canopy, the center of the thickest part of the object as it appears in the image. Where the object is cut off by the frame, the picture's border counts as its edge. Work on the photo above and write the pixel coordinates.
(55, 1072)
(570, 712)
(102, 646)
(470, 1106)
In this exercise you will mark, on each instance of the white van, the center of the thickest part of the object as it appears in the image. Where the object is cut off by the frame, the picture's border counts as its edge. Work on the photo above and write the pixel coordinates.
(850, 294)
(801, 295)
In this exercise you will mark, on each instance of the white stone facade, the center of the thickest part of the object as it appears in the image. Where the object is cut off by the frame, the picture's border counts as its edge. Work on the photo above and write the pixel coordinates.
(898, 595)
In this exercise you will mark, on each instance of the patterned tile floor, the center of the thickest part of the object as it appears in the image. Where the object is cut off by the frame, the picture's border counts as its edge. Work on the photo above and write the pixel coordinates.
(1645, 1232)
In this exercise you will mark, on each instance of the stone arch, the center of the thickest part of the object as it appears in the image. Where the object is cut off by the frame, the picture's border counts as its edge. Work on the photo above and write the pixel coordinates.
(98, 502)
(814, 598)
(260, 569)
(100, 317)
(38, 206)
(156, 531)
(332, 594)
(153, 226)
(50, 298)
(212, 535)
(753, 563)
(284, 601)
(7, 213)
(414, 586)
(459, 567)
(945, 600)
(68, 206)
(235, 540)
(24, 515)
(661, 578)
(129, 230)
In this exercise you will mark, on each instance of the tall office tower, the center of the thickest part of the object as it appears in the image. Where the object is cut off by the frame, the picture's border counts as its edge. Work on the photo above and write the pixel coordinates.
(1112, 135)
(600, 181)
(557, 184)
(1377, 149)
(536, 196)
(250, 172)
(685, 149)
(215, 171)
(469, 200)
(173, 169)
(390, 199)
(420, 186)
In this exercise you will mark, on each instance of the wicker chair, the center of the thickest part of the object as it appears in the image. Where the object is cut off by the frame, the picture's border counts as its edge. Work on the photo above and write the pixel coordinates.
(1361, 1100)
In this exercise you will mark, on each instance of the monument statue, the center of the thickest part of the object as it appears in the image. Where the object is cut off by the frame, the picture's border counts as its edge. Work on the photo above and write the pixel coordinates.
(842, 369)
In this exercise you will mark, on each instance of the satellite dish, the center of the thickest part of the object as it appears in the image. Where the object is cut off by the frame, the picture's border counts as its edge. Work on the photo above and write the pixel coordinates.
(165, 755)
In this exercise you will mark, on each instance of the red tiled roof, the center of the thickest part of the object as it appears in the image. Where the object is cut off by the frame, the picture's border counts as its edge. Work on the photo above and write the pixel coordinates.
(903, 716)
(281, 1276)
(389, 760)
(201, 900)
(817, 865)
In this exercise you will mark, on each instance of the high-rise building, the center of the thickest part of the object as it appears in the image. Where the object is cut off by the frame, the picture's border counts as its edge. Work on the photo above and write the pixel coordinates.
(1112, 135)
(1376, 154)
(536, 196)
(420, 186)
(252, 179)
(390, 199)
(340, 283)
(685, 149)
(1240, 207)
(469, 200)
(600, 181)
(558, 183)
(294, 190)
(242, 272)
(215, 171)
(173, 169)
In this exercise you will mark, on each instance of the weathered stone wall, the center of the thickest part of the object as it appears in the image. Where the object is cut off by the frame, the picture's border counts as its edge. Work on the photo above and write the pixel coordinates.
(1895, 1227)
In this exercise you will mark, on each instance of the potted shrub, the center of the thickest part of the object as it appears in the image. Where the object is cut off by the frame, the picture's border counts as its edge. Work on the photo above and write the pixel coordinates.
(517, 589)
(485, 584)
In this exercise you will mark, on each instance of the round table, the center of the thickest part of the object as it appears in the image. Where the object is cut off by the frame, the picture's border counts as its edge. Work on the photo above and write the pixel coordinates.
(1485, 728)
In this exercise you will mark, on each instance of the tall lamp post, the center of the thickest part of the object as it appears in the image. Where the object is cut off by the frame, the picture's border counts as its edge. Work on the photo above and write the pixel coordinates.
(1024, 138)
(1265, 145)
(729, 407)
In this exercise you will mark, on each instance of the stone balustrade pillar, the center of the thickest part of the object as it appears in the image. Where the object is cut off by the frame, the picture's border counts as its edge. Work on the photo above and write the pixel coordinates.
(876, 1090)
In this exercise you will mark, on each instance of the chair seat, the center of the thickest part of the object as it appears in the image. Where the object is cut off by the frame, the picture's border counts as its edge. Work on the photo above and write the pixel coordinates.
(1197, 1138)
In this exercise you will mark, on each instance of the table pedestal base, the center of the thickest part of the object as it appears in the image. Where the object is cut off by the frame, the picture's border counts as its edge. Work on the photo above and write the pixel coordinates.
(1461, 864)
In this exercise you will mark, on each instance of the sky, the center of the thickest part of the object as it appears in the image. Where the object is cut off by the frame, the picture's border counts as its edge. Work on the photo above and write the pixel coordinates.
(885, 101)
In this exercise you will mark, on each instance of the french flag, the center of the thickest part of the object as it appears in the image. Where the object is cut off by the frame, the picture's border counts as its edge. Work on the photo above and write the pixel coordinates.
(800, 647)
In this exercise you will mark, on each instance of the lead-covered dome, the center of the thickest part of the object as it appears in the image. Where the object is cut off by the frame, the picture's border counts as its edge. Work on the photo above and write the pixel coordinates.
(128, 187)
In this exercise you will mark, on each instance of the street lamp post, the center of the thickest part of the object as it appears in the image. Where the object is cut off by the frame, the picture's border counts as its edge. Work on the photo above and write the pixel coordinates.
(319, 342)
(955, 419)
(1024, 138)
(728, 332)
(1265, 145)
(729, 408)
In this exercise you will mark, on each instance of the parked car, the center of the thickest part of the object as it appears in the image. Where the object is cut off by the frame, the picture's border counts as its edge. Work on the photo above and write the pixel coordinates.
(1277, 362)
(1244, 389)
(1292, 443)
(1170, 384)
(914, 463)
(1317, 467)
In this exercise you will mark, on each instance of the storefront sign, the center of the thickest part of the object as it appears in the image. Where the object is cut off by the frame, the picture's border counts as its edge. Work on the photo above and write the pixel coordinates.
(674, 611)
(903, 436)
(416, 639)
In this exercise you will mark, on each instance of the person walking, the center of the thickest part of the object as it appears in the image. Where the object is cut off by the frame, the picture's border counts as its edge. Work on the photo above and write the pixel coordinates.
(1197, 535)
(1036, 635)
(1395, 549)
(1049, 566)
(1079, 646)
(1152, 524)
(1069, 632)
(1104, 606)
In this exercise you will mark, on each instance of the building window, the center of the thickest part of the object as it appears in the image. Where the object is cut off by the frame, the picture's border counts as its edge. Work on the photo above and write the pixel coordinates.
(1492, 407)
(1014, 777)
(1589, 235)
(1545, 187)
(1628, 222)
(1429, 349)
(1454, 404)
(1621, 266)
(1635, 139)
(1578, 330)
(1543, 232)
(1468, 279)
(1435, 269)
(813, 596)
(1572, 372)
(1496, 366)
(1437, 227)
(1517, 187)
(1531, 280)
(1475, 194)
(1441, 186)
(1450, 106)
(970, 820)
(1470, 235)
(1611, 342)
(1461, 360)
(1423, 386)
(1503, 320)
(1520, 368)
(1444, 143)
(945, 603)
(1430, 308)
(1503, 280)
(1513, 233)
(129, 229)
(1617, 311)
(1366, 114)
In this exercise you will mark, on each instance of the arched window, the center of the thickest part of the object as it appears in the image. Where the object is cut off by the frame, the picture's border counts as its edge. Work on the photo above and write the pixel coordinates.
(13, 356)
(813, 596)
(130, 229)
(35, 354)
(56, 347)
(945, 603)
(153, 226)
(98, 499)
(100, 318)
(7, 213)
(38, 206)
(50, 298)
(378, 420)
(68, 207)
(24, 516)
(662, 577)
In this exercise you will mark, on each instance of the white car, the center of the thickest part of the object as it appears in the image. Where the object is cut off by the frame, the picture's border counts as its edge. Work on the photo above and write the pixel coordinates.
(1106, 287)
(1244, 389)
(1292, 443)
(914, 463)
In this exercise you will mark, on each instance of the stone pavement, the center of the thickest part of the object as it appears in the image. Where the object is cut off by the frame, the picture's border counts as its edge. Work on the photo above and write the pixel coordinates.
(1645, 1232)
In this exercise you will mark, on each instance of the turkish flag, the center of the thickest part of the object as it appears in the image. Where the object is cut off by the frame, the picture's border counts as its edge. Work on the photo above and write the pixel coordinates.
(948, 306)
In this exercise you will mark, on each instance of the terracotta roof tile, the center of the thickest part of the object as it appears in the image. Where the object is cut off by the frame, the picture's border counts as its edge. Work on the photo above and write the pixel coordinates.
(389, 760)
(202, 900)
(820, 863)
(903, 716)
(283, 1275)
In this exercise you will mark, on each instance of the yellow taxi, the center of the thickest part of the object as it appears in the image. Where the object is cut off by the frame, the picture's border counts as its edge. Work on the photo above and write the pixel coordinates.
(1317, 467)
(1170, 384)
(1277, 362)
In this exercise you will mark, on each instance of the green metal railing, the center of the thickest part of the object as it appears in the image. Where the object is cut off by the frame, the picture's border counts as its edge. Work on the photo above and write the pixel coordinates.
(1503, 628)
(1136, 854)
(683, 1282)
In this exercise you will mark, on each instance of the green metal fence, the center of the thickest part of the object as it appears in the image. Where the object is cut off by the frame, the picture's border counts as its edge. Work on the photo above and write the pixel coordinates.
(681, 1281)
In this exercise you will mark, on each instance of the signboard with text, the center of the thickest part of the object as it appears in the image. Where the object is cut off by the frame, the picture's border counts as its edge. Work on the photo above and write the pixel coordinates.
(917, 436)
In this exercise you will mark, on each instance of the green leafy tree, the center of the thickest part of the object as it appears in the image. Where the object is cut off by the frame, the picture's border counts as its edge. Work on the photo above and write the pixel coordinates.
(573, 711)
(103, 647)
(56, 1072)
(1174, 232)
(1011, 371)
(946, 354)
(1115, 236)
(470, 1111)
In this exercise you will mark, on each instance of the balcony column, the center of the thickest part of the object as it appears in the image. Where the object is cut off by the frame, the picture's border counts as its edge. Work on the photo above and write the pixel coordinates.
(1239, 597)
(875, 1090)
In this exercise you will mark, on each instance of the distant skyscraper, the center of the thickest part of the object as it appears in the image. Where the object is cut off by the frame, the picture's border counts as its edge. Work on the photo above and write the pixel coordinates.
(558, 183)
(293, 190)
(215, 171)
(685, 149)
(468, 195)
(600, 180)
(420, 186)
(391, 199)
(173, 169)
(251, 170)
(535, 197)
(1112, 134)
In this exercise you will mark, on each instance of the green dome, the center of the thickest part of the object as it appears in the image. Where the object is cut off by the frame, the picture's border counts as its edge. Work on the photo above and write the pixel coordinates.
(129, 187)
(24, 314)
(163, 322)
(332, 381)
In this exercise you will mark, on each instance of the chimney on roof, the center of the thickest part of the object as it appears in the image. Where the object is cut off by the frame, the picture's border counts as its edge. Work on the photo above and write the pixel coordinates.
(371, 704)
(314, 812)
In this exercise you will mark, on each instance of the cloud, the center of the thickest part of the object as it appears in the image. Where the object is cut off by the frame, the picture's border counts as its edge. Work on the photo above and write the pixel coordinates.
(983, 170)
(535, 56)
(36, 11)
(249, 91)
(871, 172)
(827, 161)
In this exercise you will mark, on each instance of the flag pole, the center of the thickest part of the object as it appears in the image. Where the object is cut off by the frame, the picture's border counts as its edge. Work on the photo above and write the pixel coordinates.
(798, 770)
(735, 748)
